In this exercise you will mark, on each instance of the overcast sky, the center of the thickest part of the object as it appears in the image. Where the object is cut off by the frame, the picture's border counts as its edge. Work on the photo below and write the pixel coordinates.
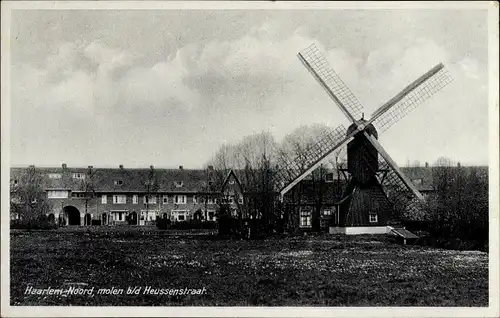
(167, 88)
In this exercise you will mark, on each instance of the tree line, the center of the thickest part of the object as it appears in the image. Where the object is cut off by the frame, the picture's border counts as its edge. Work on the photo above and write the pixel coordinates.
(457, 211)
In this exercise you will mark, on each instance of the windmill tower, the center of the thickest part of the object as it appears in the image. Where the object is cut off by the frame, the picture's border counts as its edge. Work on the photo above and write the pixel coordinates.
(376, 185)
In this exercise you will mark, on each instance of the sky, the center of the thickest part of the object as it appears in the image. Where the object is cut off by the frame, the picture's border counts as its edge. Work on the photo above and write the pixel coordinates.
(169, 87)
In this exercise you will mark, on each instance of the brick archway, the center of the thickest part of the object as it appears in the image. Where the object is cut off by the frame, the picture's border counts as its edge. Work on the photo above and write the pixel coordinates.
(72, 215)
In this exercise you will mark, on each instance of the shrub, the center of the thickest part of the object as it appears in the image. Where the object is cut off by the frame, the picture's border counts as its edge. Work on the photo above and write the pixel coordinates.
(165, 224)
(39, 223)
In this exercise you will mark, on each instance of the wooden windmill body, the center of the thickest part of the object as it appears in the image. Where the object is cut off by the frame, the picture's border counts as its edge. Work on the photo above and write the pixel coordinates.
(372, 174)
(364, 202)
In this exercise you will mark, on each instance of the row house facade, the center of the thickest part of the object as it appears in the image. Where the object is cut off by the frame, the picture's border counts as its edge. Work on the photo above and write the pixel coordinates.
(104, 196)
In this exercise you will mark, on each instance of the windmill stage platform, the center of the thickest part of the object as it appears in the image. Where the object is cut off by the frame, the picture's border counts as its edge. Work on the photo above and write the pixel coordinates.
(400, 234)
(357, 230)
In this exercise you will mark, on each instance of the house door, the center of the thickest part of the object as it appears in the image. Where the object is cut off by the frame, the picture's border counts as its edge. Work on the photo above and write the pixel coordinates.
(133, 218)
(334, 221)
(142, 218)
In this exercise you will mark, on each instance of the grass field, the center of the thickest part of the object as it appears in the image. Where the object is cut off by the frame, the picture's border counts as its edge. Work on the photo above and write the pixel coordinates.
(300, 271)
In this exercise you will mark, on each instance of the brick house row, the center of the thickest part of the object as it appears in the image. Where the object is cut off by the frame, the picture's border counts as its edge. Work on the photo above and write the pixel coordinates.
(104, 196)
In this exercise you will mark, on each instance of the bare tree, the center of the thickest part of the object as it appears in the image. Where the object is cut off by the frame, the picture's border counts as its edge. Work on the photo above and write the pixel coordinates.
(252, 160)
(28, 199)
(87, 186)
(151, 187)
(297, 148)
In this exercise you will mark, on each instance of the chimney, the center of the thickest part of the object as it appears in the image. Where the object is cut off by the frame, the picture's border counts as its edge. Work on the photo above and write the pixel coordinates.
(151, 167)
(121, 167)
(210, 168)
(181, 167)
(64, 166)
(91, 167)
(458, 164)
(32, 166)
(426, 164)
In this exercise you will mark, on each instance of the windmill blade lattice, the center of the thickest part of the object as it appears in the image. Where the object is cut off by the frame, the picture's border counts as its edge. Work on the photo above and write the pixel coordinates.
(292, 167)
(416, 97)
(324, 73)
(405, 202)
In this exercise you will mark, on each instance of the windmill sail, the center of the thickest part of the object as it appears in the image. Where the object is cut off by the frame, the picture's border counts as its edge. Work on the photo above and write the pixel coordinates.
(412, 96)
(294, 169)
(317, 64)
(393, 166)
(405, 202)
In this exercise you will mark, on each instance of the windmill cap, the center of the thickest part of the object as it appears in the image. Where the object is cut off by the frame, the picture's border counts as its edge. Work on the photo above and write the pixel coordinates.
(370, 129)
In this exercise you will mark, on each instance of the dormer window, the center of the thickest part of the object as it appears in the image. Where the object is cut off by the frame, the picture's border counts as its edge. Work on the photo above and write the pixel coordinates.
(179, 184)
(118, 182)
(78, 175)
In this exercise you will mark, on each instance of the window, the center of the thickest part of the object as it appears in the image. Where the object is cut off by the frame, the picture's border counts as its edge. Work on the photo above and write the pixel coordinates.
(211, 215)
(179, 215)
(327, 212)
(152, 199)
(195, 199)
(54, 176)
(78, 195)
(135, 199)
(231, 200)
(119, 215)
(165, 199)
(118, 182)
(234, 212)
(14, 181)
(329, 177)
(149, 215)
(373, 218)
(231, 181)
(180, 199)
(417, 181)
(57, 194)
(78, 175)
(210, 182)
(210, 200)
(104, 199)
(240, 200)
(119, 199)
(305, 218)
(179, 184)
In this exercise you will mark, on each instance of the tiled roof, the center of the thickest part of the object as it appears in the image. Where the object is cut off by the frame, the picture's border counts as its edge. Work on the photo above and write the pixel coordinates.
(193, 180)
(132, 180)
(420, 176)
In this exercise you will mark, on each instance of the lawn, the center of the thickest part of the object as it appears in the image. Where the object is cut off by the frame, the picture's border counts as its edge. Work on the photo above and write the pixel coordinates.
(296, 271)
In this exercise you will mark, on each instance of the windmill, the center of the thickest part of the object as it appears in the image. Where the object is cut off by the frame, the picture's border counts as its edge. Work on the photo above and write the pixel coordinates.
(375, 187)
